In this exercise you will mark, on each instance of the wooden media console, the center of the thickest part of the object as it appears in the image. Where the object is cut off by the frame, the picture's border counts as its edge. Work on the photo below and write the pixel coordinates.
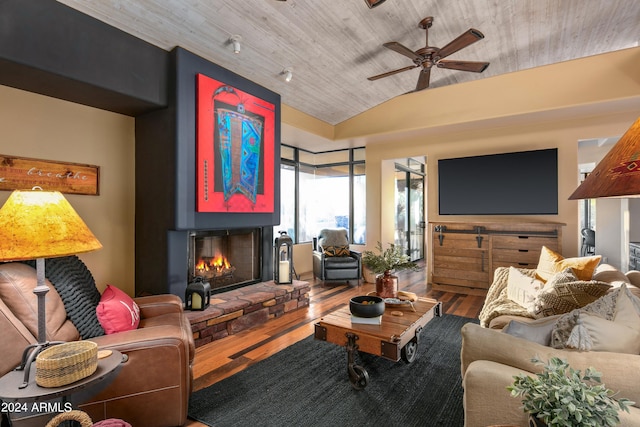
(464, 255)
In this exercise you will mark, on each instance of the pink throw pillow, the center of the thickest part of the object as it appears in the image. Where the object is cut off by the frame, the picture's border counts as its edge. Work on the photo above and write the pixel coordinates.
(117, 312)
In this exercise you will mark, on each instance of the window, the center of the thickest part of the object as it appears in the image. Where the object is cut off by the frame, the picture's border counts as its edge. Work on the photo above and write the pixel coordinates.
(287, 204)
(329, 192)
(359, 204)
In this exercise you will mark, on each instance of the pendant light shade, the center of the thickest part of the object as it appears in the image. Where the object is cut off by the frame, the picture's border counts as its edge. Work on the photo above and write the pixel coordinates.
(618, 173)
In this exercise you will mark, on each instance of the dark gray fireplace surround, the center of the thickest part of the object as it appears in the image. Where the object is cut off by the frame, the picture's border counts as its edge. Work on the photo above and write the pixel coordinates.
(54, 50)
(165, 181)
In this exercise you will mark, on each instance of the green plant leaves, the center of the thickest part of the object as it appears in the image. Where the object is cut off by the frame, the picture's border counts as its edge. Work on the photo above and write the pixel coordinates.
(563, 396)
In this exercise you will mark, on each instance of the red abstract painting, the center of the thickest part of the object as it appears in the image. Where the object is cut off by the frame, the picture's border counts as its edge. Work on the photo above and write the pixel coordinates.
(235, 149)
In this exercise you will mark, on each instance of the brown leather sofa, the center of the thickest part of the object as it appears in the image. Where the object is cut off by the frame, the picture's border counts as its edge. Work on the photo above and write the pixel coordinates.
(153, 386)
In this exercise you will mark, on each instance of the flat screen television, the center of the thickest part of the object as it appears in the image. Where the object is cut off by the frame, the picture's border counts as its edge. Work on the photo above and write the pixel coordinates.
(520, 183)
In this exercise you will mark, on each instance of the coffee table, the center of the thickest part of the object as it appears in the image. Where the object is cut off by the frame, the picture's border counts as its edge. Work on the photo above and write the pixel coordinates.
(394, 338)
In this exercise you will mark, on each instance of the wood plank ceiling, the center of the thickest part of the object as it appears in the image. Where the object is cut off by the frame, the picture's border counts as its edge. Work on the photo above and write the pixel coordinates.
(334, 45)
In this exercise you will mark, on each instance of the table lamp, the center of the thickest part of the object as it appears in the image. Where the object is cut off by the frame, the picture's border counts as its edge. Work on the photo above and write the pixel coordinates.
(36, 224)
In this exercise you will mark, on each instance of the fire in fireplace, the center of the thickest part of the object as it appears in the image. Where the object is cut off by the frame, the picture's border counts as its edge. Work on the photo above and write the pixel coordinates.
(226, 259)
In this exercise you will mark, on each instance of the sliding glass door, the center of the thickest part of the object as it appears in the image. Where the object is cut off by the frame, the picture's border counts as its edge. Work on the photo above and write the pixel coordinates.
(409, 202)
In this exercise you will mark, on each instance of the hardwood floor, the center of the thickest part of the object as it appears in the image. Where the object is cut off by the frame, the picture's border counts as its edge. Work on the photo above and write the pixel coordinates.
(225, 357)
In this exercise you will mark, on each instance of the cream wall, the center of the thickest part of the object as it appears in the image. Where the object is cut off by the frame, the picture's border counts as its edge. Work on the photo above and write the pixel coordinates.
(563, 135)
(545, 107)
(41, 127)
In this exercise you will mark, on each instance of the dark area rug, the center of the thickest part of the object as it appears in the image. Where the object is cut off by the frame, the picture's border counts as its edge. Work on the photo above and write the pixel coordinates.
(307, 384)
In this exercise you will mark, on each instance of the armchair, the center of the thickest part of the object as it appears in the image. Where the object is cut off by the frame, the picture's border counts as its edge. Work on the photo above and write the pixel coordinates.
(153, 386)
(332, 258)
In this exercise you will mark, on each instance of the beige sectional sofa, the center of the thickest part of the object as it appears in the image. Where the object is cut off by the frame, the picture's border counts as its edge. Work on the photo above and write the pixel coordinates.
(492, 354)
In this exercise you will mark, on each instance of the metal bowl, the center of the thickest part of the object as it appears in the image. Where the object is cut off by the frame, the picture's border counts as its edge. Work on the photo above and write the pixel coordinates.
(366, 306)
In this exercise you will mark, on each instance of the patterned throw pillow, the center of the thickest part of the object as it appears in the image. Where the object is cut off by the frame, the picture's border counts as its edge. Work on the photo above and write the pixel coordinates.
(523, 289)
(336, 250)
(611, 323)
(564, 292)
(117, 311)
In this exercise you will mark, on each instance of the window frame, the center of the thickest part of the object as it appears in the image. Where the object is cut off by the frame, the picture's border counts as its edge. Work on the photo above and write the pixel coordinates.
(351, 163)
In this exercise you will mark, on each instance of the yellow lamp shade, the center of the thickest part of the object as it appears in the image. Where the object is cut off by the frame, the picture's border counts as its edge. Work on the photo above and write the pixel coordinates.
(42, 224)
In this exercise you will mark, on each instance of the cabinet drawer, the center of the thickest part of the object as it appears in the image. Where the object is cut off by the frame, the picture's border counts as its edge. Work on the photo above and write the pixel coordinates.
(516, 256)
(530, 265)
(524, 242)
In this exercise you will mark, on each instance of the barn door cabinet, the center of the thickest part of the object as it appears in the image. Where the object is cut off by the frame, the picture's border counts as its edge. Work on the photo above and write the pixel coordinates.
(464, 255)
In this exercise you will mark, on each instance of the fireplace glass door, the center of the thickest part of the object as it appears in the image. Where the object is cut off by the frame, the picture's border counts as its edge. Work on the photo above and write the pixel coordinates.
(226, 259)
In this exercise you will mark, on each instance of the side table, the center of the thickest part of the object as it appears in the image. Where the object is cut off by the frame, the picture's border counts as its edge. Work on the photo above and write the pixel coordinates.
(36, 400)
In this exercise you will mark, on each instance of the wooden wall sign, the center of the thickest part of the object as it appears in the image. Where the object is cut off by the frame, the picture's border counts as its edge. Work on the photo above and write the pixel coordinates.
(21, 173)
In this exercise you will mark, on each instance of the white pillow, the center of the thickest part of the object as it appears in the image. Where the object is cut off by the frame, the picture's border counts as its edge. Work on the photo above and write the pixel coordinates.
(523, 289)
(620, 335)
(611, 336)
(626, 311)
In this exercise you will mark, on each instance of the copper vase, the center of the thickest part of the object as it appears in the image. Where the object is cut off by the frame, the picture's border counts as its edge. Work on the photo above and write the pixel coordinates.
(387, 285)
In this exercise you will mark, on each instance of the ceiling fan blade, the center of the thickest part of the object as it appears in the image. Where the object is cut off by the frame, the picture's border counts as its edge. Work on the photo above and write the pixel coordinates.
(464, 40)
(390, 73)
(423, 80)
(403, 50)
(474, 66)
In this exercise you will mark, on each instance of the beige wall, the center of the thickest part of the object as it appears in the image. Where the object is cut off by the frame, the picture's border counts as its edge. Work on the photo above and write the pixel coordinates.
(40, 127)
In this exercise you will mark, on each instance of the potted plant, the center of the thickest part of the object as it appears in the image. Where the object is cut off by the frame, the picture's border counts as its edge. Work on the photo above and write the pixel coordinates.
(383, 264)
(563, 396)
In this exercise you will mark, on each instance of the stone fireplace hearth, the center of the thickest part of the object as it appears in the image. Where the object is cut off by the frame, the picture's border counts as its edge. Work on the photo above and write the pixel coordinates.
(233, 311)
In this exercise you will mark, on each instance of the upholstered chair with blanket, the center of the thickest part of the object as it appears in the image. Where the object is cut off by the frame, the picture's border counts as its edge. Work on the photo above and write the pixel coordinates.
(153, 386)
(333, 260)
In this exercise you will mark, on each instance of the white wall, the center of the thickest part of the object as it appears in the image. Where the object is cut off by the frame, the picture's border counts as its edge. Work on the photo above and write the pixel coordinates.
(612, 232)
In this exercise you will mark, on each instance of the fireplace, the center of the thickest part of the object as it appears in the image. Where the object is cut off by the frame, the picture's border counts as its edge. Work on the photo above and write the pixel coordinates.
(227, 259)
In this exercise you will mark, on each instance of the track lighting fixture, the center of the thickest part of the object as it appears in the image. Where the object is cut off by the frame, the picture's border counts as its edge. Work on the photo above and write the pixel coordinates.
(288, 74)
(235, 40)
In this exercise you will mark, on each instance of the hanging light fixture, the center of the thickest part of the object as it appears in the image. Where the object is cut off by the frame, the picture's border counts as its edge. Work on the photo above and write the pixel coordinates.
(618, 173)
(288, 74)
(235, 41)
(373, 3)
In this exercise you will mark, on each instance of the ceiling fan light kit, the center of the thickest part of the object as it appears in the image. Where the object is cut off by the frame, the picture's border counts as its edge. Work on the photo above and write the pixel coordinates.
(430, 56)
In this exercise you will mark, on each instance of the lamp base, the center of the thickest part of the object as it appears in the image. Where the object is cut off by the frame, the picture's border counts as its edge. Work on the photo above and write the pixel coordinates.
(29, 356)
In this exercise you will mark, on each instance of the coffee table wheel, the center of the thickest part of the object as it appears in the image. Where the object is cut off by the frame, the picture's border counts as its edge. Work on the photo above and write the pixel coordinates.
(409, 351)
(358, 376)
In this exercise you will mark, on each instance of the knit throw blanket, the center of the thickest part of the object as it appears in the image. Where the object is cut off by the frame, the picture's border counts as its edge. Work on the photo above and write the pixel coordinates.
(497, 303)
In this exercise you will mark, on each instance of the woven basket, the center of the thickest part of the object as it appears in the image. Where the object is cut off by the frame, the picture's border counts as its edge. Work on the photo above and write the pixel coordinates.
(66, 363)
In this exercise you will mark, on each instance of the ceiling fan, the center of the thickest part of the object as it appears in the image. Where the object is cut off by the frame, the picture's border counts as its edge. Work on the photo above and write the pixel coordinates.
(429, 56)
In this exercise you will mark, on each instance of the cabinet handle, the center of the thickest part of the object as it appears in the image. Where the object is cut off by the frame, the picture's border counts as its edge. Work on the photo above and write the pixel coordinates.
(523, 250)
(482, 261)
